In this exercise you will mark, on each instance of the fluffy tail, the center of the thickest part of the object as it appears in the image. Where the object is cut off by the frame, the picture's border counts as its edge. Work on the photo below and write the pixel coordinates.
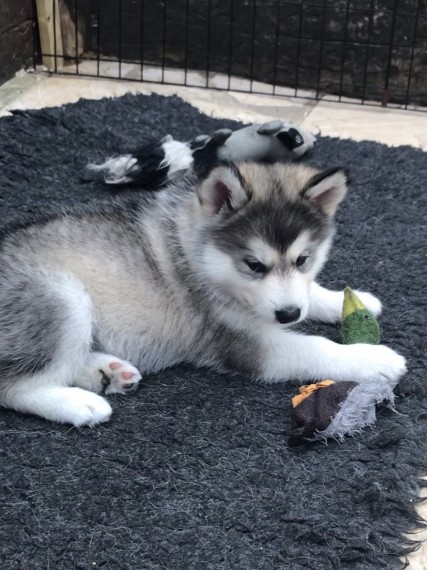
(149, 167)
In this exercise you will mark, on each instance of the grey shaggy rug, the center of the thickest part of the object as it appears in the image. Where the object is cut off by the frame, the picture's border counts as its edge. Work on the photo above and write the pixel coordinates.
(194, 471)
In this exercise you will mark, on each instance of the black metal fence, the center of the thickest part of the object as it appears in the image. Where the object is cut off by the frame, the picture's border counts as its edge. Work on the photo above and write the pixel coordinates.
(374, 51)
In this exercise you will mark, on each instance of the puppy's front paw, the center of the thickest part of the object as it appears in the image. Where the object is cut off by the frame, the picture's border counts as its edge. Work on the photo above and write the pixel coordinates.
(379, 361)
(371, 302)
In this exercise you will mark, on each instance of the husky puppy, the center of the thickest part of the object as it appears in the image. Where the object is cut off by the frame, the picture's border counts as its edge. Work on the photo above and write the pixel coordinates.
(212, 272)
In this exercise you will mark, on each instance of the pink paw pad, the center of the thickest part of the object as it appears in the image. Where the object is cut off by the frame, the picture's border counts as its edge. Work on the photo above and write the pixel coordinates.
(128, 375)
(123, 376)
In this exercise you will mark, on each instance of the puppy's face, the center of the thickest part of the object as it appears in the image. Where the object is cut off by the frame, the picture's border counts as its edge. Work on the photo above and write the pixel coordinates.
(267, 232)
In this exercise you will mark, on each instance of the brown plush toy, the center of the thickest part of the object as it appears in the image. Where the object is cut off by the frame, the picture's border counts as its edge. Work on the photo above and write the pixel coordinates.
(316, 405)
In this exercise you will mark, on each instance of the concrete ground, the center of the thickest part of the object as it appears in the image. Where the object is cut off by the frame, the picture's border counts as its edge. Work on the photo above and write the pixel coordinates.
(345, 120)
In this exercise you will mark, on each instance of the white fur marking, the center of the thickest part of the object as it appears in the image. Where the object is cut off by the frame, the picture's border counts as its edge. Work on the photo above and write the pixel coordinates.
(178, 157)
(299, 246)
(264, 252)
(116, 170)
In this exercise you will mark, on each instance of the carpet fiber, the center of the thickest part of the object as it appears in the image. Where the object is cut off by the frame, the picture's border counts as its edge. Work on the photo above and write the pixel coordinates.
(194, 471)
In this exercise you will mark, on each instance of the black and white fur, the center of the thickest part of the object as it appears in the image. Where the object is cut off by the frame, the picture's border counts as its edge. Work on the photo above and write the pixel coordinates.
(212, 272)
(150, 167)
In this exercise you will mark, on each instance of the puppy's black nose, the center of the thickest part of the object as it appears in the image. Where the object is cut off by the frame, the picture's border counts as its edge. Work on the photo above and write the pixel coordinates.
(288, 315)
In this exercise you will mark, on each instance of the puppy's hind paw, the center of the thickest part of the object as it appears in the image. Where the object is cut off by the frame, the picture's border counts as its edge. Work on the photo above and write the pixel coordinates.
(83, 408)
(119, 376)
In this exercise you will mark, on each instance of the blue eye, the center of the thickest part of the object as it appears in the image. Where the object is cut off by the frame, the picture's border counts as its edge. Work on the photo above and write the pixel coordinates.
(256, 266)
(301, 260)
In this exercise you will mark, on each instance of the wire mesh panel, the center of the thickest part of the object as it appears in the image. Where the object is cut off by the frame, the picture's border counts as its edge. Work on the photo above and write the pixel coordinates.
(371, 50)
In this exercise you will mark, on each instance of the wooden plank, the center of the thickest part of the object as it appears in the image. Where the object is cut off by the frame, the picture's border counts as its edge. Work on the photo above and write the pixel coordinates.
(50, 33)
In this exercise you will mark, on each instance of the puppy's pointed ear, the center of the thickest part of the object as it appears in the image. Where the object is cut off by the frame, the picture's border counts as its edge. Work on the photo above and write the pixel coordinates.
(327, 189)
(223, 191)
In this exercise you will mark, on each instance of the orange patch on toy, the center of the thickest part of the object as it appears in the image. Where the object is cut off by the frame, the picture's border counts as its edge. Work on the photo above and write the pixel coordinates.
(306, 391)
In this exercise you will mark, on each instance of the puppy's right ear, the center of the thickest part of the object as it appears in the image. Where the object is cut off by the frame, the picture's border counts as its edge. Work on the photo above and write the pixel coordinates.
(223, 191)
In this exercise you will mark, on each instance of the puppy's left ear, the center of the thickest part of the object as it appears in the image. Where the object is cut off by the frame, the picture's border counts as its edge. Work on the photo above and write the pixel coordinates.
(327, 189)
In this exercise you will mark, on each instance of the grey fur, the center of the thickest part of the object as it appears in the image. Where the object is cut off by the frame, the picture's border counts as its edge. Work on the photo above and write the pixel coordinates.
(29, 305)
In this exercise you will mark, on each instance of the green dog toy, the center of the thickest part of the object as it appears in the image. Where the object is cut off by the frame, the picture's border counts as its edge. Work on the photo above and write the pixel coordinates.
(358, 324)
(316, 407)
